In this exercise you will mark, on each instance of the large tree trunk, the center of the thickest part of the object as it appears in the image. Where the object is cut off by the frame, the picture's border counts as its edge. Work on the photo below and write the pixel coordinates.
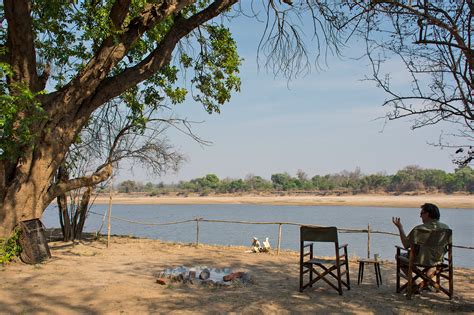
(26, 193)
(22, 204)
(31, 187)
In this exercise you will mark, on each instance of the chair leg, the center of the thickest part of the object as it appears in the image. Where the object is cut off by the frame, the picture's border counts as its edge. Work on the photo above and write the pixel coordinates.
(301, 267)
(338, 269)
(451, 284)
(339, 281)
(311, 269)
(410, 281)
(361, 272)
(301, 278)
(397, 286)
(450, 271)
(347, 269)
(380, 273)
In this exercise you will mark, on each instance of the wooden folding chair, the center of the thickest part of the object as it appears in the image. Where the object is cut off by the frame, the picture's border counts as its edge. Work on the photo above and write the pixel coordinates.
(322, 268)
(415, 264)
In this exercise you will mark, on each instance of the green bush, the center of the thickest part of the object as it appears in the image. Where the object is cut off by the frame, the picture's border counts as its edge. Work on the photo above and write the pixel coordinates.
(10, 247)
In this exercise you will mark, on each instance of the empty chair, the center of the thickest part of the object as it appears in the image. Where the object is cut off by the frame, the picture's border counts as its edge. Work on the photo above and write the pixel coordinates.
(330, 271)
(426, 259)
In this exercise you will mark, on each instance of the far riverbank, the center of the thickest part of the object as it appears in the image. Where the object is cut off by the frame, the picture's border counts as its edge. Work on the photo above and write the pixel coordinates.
(376, 200)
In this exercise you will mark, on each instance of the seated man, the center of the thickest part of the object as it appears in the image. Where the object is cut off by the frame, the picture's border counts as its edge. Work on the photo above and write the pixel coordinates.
(430, 217)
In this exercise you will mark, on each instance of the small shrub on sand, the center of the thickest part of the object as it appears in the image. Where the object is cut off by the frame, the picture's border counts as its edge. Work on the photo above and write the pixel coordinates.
(10, 247)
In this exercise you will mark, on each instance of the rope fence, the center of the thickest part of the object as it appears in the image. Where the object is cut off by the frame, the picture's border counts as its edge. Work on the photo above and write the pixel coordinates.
(369, 231)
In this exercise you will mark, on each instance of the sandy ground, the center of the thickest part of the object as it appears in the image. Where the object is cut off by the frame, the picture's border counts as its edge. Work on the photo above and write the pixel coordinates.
(408, 201)
(88, 278)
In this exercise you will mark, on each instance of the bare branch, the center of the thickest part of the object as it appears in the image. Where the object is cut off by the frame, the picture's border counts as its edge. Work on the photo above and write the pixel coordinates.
(439, 61)
(86, 181)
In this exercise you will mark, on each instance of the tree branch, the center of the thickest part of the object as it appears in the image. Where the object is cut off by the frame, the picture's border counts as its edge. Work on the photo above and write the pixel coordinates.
(119, 12)
(100, 175)
(110, 52)
(161, 56)
(452, 29)
(442, 43)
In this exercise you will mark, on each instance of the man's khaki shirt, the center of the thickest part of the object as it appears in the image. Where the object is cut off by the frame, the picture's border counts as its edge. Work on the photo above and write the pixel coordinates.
(427, 256)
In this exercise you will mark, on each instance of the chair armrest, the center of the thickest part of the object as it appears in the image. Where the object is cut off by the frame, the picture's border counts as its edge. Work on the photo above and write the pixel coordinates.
(402, 248)
(342, 246)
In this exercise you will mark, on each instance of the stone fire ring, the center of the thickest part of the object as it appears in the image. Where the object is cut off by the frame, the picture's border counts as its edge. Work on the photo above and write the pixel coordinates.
(203, 275)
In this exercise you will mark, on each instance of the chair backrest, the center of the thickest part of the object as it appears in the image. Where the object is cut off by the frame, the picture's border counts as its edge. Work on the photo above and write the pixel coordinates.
(318, 234)
(430, 245)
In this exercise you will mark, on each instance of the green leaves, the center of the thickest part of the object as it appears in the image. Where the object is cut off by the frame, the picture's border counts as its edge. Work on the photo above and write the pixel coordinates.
(10, 248)
(216, 68)
(19, 110)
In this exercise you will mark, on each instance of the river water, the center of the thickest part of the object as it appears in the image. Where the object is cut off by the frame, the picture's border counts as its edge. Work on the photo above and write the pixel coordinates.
(461, 222)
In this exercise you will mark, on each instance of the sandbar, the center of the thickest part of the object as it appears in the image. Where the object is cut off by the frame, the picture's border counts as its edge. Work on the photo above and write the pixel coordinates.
(463, 201)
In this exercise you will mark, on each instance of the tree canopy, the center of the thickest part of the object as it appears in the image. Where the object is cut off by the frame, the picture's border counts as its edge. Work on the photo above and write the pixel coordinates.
(61, 61)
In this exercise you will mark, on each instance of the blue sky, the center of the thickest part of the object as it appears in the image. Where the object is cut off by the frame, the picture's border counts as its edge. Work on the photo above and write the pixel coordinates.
(322, 123)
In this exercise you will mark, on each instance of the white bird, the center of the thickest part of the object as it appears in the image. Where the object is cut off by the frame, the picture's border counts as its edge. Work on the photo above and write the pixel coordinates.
(266, 244)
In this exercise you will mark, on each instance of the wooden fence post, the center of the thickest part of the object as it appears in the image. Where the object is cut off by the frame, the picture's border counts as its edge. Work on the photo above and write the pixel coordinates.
(279, 239)
(109, 212)
(368, 241)
(197, 231)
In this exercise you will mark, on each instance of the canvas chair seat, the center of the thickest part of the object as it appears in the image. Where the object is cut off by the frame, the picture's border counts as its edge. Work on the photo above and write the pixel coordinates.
(328, 270)
(405, 260)
(416, 267)
(322, 261)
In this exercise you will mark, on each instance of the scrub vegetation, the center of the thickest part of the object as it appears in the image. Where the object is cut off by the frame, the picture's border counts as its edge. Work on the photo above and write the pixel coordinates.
(409, 179)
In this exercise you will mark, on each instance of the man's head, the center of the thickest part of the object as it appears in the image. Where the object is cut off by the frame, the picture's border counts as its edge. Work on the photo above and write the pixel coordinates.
(429, 211)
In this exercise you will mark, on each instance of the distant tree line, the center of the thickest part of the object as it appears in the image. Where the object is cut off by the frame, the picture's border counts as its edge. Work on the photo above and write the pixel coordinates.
(409, 179)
